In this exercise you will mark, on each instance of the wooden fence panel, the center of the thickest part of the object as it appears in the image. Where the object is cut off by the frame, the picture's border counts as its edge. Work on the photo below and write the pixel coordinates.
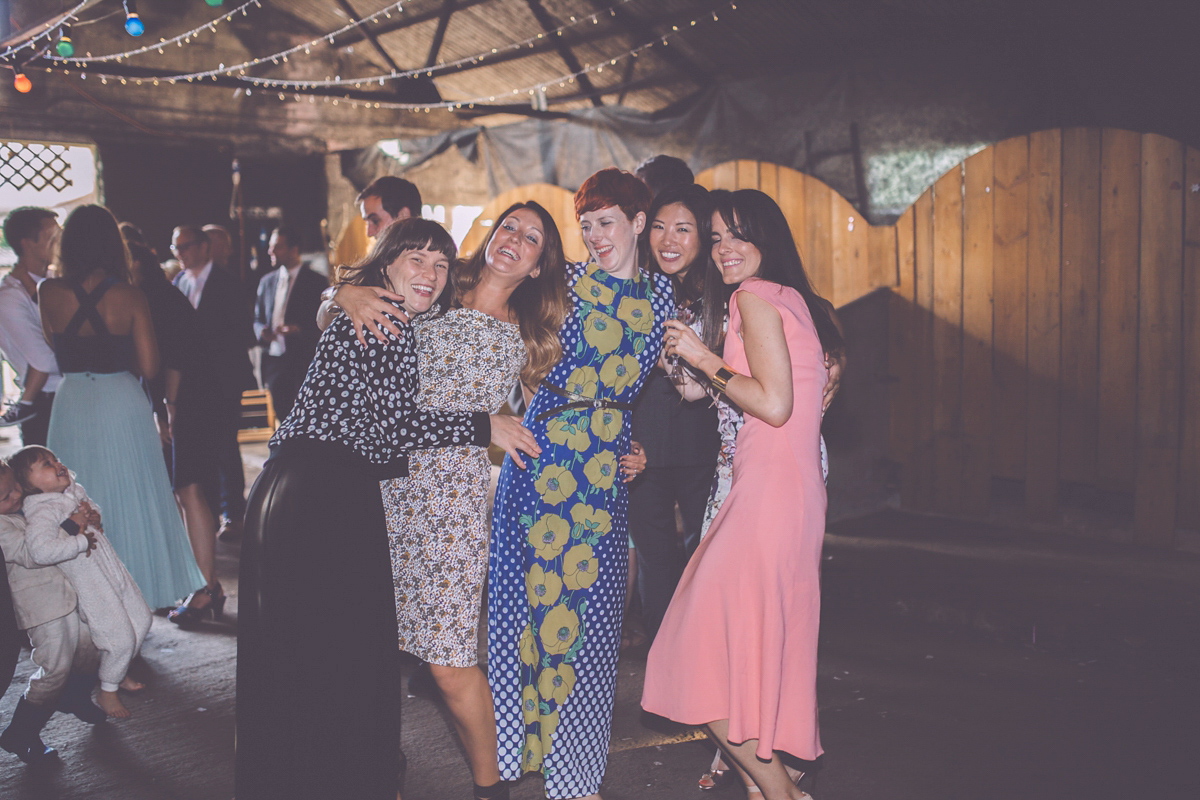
(1079, 420)
(724, 176)
(849, 251)
(1009, 322)
(1120, 192)
(818, 245)
(1044, 311)
(1160, 341)
(768, 181)
(790, 196)
(1189, 450)
(947, 338)
(902, 351)
(978, 237)
(747, 174)
(882, 267)
(917, 481)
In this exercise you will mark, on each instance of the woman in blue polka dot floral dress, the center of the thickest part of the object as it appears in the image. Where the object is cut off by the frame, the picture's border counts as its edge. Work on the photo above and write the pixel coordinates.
(559, 550)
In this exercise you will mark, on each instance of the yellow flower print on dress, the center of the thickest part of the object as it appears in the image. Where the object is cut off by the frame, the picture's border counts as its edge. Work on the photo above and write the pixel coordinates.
(601, 469)
(593, 291)
(529, 651)
(620, 371)
(637, 314)
(555, 484)
(560, 629)
(556, 684)
(549, 535)
(583, 382)
(580, 567)
(593, 520)
(549, 724)
(568, 431)
(529, 705)
(602, 332)
(607, 423)
(531, 759)
(542, 588)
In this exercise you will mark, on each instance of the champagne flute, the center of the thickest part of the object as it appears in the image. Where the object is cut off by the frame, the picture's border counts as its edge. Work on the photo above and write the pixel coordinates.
(677, 374)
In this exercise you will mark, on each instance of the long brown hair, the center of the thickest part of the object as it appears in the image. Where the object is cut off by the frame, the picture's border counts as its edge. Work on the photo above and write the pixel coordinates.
(540, 303)
(91, 241)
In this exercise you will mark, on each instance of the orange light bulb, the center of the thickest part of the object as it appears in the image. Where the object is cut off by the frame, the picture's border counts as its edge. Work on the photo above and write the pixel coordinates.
(21, 83)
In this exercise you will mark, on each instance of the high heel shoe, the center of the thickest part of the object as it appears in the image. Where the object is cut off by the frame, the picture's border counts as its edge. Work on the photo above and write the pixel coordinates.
(187, 614)
(715, 777)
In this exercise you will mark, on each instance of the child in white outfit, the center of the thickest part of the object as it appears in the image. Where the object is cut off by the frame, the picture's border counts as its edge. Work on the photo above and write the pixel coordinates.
(108, 599)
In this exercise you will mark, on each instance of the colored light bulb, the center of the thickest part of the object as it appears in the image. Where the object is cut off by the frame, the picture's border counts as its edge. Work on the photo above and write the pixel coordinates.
(133, 24)
(214, 3)
(64, 47)
(22, 84)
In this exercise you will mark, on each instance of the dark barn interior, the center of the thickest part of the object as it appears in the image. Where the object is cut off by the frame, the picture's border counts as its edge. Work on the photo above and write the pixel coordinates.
(1000, 197)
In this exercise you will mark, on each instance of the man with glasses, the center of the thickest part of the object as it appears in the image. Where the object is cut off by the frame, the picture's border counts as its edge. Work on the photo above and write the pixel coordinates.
(225, 325)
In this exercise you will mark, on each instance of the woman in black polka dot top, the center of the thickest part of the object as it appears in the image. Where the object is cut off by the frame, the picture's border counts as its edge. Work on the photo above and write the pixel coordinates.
(317, 704)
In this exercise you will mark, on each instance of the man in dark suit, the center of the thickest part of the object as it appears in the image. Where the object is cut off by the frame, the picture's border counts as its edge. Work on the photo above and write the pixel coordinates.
(285, 319)
(225, 324)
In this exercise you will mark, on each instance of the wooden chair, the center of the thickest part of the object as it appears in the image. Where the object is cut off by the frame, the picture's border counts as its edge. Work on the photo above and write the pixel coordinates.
(257, 408)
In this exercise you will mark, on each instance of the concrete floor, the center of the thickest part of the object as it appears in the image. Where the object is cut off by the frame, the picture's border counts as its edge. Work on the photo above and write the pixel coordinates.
(957, 660)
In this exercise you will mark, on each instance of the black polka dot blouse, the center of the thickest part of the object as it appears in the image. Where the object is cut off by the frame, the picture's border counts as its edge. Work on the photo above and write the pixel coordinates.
(363, 397)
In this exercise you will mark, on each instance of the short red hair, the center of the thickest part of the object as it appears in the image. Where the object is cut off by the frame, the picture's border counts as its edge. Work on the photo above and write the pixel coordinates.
(613, 187)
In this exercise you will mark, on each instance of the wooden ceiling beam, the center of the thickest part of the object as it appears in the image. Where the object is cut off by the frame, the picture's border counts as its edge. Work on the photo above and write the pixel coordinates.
(568, 39)
(440, 34)
(350, 12)
(549, 25)
(403, 20)
(641, 31)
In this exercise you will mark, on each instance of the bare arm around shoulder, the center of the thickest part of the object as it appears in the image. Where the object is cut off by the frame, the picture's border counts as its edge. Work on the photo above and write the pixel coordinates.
(766, 392)
(367, 307)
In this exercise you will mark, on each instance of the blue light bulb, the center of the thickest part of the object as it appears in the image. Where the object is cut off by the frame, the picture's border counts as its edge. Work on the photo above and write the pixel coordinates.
(133, 25)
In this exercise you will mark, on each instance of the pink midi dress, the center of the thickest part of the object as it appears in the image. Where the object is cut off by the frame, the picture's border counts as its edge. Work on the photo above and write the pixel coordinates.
(739, 640)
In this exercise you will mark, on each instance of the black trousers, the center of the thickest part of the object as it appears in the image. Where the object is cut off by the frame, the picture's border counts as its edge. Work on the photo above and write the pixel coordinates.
(283, 379)
(226, 419)
(318, 679)
(33, 431)
(661, 554)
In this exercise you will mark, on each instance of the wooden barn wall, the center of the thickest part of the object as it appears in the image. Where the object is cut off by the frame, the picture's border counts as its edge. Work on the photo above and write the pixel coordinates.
(1044, 327)
(1049, 330)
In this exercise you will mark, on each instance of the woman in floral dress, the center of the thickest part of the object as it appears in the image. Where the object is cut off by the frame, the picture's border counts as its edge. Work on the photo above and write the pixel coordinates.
(559, 541)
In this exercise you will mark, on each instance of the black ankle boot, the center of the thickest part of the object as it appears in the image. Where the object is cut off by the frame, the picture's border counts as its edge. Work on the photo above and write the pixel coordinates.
(497, 791)
(21, 736)
(76, 699)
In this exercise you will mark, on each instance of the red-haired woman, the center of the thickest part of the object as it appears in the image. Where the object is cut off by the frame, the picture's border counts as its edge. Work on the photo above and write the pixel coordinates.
(559, 549)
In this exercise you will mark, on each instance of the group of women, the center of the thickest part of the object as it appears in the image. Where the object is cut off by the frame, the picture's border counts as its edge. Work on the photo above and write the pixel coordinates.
(370, 518)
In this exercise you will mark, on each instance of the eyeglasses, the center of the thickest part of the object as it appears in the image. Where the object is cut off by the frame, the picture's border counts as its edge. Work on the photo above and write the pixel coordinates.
(179, 248)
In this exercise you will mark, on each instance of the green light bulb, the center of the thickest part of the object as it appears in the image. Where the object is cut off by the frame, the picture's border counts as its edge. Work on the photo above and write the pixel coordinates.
(64, 47)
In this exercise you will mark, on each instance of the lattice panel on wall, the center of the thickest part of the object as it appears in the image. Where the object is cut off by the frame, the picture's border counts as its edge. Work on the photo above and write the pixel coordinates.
(37, 166)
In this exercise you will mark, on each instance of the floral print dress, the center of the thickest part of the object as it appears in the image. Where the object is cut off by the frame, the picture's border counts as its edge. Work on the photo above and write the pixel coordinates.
(559, 554)
(437, 516)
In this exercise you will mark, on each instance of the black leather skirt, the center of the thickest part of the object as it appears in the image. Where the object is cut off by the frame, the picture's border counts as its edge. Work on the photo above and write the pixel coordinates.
(318, 701)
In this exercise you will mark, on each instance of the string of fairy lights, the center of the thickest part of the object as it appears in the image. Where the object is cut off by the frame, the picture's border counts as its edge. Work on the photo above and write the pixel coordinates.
(298, 90)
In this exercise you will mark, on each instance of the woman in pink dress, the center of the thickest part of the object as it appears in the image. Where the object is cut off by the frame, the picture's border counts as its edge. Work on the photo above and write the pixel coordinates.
(737, 651)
